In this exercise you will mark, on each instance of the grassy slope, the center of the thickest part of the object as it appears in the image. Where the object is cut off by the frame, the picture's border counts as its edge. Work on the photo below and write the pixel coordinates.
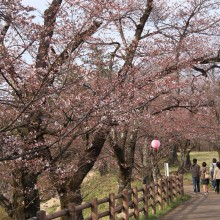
(201, 157)
(204, 157)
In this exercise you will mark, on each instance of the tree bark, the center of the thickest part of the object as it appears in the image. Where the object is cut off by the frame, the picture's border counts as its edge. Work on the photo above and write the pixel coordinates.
(25, 201)
(218, 154)
(70, 195)
(173, 157)
(124, 145)
(124, 178)
(31, 193)
(70, 189)
(185, 160)
(17, 211)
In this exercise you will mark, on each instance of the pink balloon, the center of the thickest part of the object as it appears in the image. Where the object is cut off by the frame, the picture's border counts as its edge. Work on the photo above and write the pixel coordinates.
(155, 144)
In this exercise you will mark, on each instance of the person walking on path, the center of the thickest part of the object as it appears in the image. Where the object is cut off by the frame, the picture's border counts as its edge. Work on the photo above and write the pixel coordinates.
(205, 178)
(216, 176)
(195, 171)
(212, 168)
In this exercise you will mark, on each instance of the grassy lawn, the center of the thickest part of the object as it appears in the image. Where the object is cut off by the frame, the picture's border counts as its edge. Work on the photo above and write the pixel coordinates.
(201, 157)
(204, 157)
(3, 215)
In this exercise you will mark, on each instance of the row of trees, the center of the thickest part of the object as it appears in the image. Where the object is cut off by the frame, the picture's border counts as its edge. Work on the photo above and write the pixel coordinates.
(101, 76)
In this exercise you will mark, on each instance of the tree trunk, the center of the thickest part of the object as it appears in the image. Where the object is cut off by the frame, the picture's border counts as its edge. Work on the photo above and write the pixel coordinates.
(185, 160)
(124, 178)
(31, 194)
(218, 154)
(103, 168)
(25, 201)
(173, 157)
(185, 147)
(69, 190)
(124, 149)
(17, 210)
(67, 196)
(188, 162)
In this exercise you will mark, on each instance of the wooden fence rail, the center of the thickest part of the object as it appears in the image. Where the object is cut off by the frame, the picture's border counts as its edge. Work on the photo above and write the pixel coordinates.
(134, 203)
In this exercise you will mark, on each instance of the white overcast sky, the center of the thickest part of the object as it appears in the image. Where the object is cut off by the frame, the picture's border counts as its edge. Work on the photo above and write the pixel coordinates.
(40, 5)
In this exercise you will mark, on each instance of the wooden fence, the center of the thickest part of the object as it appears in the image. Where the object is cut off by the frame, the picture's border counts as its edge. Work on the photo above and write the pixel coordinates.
(131, 203)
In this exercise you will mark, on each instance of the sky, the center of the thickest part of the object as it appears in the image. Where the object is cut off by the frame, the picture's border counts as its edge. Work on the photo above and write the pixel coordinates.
(40, 5)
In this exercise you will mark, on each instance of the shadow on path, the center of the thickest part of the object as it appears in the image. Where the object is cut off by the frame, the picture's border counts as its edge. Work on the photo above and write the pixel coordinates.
(200, 206)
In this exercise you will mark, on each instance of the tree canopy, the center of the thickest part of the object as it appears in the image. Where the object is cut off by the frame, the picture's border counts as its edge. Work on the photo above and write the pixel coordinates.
(97, 73)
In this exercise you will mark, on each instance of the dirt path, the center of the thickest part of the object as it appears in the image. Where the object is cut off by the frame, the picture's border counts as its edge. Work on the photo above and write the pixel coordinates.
(198, 207)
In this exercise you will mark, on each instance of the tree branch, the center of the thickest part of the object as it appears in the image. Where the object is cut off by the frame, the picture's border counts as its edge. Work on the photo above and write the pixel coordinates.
(49, 23)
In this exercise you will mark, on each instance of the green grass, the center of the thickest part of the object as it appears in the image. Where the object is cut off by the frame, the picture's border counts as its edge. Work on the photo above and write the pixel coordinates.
(204, 157)
(165, 210)
(108, 183)
(201, 157)
(3, 215)
(98, 186)
(52, 209)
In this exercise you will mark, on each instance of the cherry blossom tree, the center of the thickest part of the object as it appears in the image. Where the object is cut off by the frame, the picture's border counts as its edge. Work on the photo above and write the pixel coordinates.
(174, 57)
(92, 70)
(36, 122)
(212, 114)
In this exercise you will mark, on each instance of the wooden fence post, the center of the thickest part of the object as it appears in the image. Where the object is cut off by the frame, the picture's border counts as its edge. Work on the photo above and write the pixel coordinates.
(145, 200)
(125, 205)
(112, 206)
(136, 208)
(166, 195)
(160, 199)
(170, 188)
(72, 211)
(174, 187)
(41, 215)
(181, 184)
(94, 209)
(153, 202)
